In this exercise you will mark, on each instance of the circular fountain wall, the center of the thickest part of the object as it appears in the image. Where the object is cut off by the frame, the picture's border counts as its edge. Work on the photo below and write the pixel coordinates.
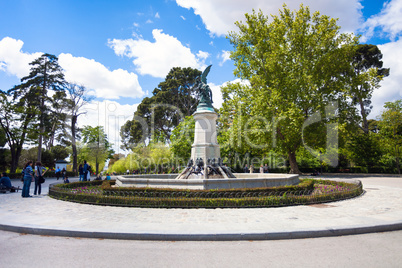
(242, 180)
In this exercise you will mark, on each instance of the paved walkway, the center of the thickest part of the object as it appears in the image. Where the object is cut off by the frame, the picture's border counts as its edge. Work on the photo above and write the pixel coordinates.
(378, 209)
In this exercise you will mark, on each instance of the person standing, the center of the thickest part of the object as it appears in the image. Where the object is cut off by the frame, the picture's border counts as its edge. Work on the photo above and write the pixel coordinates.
(64, 173)
(251, 169)
(85, 170)
(57, 172)
(245, 169)
(81, 172)
(28, 178)
(266, 170)
(261, 169)
(39, 172)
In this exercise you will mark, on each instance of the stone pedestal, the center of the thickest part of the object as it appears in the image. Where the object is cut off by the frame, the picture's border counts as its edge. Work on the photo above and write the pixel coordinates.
(205, 144)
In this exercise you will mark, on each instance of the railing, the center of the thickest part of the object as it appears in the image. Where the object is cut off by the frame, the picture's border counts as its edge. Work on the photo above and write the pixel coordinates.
(202, 199)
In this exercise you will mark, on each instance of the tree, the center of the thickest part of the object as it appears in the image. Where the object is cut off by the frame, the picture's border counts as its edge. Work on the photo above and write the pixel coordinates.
(114, 159)
(16, 119)
(158, 115)
(295, 65)
(97, 147)
(364, 149)
(390, 129)
(3, 142)
(182, 138)
(77, 98)
(44, 75)
(59, 152)
(367, 73)
(55, 119)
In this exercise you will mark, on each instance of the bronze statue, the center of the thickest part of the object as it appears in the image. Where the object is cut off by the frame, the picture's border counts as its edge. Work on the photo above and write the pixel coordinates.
(203, 89)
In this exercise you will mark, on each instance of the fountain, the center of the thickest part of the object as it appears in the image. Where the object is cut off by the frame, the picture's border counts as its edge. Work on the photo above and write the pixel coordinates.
(205, 169)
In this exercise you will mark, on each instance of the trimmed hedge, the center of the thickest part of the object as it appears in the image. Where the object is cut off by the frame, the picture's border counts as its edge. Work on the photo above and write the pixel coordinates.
(102, 193)
(49, 174)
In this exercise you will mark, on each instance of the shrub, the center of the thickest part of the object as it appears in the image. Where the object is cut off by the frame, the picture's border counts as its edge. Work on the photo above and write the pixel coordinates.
(307, 192)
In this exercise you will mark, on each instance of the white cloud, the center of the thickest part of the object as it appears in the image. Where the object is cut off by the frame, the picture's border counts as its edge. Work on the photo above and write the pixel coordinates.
(225, 56)
(12, 60)
(109, 114)
(157, 15)
(96, 77)
(217, 93)
(202, 55)
(390, 89)
(157, 58)
(219, 16)
(389, 20)
(182, 17)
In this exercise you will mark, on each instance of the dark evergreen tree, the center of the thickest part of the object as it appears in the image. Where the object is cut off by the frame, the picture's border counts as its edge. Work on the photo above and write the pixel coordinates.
(45, 74)
(367, 74)
(158, 115)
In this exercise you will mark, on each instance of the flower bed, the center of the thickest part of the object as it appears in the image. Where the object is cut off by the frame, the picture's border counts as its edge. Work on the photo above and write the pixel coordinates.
(307, 192)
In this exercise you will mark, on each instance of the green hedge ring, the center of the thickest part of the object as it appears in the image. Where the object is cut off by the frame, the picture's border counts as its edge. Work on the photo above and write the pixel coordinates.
(309, 191)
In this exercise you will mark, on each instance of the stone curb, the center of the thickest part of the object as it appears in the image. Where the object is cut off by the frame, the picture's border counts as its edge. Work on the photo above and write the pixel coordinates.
(208, 237)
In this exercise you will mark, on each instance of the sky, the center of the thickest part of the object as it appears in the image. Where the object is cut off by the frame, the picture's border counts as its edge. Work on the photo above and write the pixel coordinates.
(121, 50)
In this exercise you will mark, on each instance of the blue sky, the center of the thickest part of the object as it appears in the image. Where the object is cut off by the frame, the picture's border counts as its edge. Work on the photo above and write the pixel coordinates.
(120, 50)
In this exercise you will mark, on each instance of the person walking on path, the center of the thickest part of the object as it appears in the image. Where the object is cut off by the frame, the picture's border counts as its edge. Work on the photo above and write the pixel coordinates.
(57, 173)
(28, 178)
(81, 172)
(39, 172)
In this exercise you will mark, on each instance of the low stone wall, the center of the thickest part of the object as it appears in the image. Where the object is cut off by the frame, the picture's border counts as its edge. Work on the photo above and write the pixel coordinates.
(242, 180)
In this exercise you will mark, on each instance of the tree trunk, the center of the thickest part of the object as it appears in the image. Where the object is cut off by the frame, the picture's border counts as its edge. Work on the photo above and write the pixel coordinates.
(73, 143)
(15, 157)
(365, 126)
(398, 167)
(294, 168)
(42, 108)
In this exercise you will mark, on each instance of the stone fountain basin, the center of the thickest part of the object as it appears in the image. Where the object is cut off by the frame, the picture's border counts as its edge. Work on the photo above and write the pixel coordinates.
(242, 180)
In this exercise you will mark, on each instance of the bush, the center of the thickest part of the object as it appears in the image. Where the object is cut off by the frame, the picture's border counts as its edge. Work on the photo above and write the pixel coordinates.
(308, 192)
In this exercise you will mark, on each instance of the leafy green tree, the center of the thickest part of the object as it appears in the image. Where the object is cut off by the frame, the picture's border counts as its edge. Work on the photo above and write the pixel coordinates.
(97, 147)
(158, 115)
(295, 65)
(59, 152)
(17, 119)
(45, 74)
(390, 129)
(364, 149)
(182, 138)
(367, 73)
(161, 157)
(114, 159)
(3, 151)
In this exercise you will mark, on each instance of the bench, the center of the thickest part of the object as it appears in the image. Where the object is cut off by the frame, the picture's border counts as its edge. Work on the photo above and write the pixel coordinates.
(13, 189)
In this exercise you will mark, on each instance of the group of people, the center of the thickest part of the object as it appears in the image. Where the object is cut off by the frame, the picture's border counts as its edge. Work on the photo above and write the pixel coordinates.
(60, 173)
(263, 169)
(84, 170)
(32, 174)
